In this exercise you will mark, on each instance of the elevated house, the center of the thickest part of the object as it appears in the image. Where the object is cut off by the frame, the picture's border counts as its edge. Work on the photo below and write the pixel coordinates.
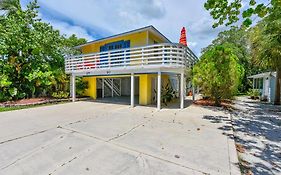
(134, 64)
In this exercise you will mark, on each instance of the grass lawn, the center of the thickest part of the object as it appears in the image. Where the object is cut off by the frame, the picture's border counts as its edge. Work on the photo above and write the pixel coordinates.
(3, 109)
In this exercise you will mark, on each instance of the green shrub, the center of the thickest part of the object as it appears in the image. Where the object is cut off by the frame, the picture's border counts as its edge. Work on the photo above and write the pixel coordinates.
(254, 93)
(81, 86)
(218, 73)
(167, 94)
(60, 94)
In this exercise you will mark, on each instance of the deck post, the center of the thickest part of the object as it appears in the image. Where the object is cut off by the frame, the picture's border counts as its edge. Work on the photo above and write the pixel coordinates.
(182, 91)
(73, 88)
(193, 92)
(159, 90)
(102, 87)
(112, 93)
(132, 90)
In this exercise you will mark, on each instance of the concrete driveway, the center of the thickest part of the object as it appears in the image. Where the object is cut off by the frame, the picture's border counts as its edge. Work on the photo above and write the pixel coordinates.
(105, 139)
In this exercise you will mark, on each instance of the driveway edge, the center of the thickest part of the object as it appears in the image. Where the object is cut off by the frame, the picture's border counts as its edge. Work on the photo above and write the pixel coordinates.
(232, 152)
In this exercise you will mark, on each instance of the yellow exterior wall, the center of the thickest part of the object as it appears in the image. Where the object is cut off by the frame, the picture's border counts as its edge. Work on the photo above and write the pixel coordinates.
(165, 79)
(92, 87)
(152, 38)
(145, 87)
(145, 96)
(136, 39)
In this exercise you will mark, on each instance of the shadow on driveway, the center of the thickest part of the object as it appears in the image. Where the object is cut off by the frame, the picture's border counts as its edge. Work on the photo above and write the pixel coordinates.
(257, 128)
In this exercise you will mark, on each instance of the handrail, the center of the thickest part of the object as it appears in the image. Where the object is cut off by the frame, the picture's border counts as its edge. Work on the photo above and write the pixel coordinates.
(158, 54)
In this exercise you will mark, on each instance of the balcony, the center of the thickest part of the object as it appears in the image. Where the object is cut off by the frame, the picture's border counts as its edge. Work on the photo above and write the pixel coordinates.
(160, 57)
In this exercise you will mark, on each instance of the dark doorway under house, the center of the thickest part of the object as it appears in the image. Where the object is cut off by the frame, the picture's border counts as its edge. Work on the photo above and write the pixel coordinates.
(117, 90)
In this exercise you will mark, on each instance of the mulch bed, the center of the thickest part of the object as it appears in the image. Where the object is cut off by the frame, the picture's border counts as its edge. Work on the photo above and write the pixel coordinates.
(208, 102)
(31, 101)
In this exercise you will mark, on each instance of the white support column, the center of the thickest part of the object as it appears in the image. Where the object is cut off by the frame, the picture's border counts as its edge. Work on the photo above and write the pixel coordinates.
(159, 90)
(120, 87)
(102, 87)
(112, 94)
(73, 88)
(132, 90)
(193, 92)
(182, 89)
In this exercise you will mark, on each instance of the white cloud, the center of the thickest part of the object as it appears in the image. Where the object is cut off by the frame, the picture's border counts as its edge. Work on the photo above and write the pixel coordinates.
(115, 16)
(68, 30)
(192, 44)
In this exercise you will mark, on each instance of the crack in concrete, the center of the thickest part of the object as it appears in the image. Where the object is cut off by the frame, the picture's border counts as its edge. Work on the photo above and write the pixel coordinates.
(158, 158)
(107, 141)
(82, 133)
(30, 153)
(127, 132)
(21, 137)
(93, 117)
(144, 164)
(63, 164)
(76, 157)
(135, 150)
(135, 127)
(170, 122)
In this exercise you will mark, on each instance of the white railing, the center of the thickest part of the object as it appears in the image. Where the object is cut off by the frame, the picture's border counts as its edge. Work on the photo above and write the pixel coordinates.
(167, 54)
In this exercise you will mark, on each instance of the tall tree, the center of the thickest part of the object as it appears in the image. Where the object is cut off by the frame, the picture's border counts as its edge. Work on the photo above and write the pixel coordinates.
(266, 45)
(218, 73)
(238, 39)
(228, 11)
(32, 54)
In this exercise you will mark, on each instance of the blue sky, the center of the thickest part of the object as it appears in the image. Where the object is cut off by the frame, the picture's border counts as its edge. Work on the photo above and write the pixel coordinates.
(94, 19)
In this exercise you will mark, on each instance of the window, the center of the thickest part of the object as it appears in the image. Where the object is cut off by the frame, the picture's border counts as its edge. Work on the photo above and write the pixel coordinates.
(115, 45)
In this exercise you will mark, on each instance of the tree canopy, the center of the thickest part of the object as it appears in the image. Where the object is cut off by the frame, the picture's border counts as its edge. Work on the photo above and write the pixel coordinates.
(238, 39)
(218, 73)
(32, 53)
(228, 11)
(266, 45)
(263, 38)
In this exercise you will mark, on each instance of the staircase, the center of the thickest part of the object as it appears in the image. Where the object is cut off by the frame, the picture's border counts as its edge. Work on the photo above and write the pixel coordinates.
(111, 87)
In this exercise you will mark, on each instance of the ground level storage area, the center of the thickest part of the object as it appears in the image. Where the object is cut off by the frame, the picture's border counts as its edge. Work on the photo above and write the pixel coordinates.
(144, 87)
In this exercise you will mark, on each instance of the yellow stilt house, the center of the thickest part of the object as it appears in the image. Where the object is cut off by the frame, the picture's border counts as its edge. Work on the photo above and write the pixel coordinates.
(133, 64)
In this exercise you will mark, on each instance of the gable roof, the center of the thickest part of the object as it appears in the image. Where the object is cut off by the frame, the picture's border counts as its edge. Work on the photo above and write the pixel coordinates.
(147, 28)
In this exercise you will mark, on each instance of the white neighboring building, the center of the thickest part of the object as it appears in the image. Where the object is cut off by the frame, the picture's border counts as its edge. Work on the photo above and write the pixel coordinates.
(265, 83)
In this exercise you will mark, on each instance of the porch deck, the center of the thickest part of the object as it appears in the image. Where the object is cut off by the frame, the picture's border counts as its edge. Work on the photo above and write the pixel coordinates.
(167, 57)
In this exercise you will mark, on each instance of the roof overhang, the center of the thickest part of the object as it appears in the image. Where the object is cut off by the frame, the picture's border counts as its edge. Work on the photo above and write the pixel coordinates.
(148, 28)
(263, 75)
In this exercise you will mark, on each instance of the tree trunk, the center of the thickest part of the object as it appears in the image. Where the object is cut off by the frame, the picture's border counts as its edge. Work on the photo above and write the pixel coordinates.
(217, 102)
(277, 87)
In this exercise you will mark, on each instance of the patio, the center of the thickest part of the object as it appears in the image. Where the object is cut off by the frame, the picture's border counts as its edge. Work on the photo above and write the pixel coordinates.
(103, 138)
